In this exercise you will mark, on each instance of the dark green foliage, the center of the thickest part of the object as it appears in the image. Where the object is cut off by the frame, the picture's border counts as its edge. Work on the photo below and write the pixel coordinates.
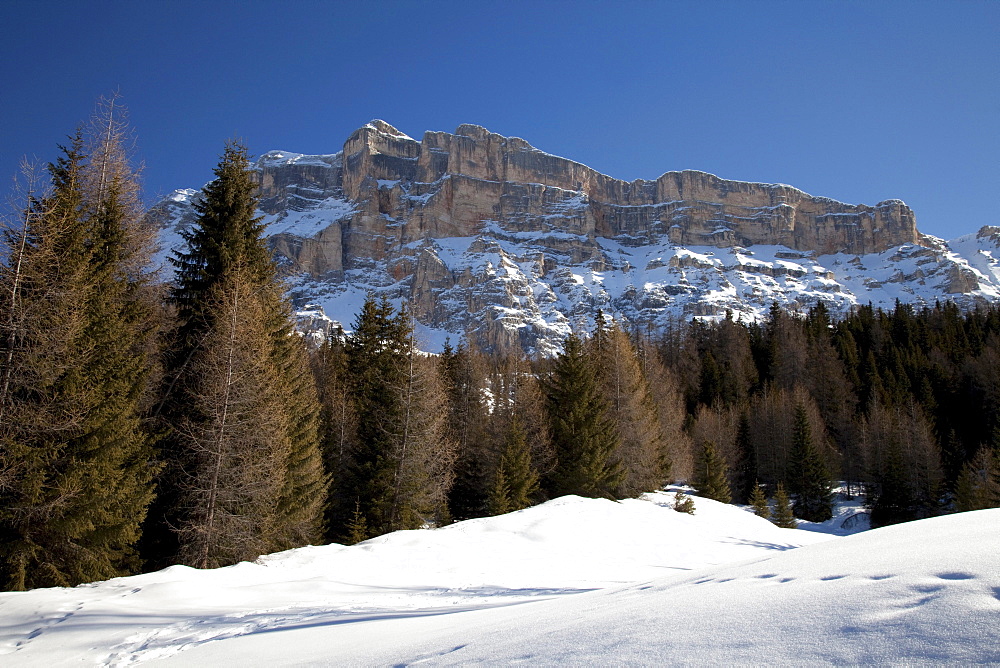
(227, 236)
(891, 499)
(583, 436)
(808, 475)
(759, 502)
(978, 485)
(73, 449)
(464, 375)
(683, 503)
(710, 474)
(747, 453)
(376, 362)
(337, 429)
(302, 502)
(226, 273)
(515, 482)
(783, 518)
(401, 463)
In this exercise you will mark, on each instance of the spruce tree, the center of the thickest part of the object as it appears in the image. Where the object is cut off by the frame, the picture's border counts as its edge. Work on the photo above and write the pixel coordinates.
(498, 497)
(710, 474)
(402, 463)
(683, 503)
(759, 502)
(376, 359)
(515, 482)
(783, 518)
(77, 323)
(226, 259)
(808, 476)
(582, 433)
(977, 487)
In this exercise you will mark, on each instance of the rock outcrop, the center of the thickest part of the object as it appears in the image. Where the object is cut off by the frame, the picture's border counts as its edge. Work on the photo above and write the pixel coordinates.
(452, 185)
(486, 234)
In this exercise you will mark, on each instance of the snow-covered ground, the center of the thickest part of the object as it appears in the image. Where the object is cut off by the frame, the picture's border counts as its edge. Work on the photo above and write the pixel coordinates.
(571, 582)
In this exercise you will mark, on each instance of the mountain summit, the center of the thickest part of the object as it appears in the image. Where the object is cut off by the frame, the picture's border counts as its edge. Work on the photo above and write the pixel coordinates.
(487, 236)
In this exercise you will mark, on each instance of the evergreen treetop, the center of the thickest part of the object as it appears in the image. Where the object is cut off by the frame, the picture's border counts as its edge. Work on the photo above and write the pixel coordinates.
(583, 435)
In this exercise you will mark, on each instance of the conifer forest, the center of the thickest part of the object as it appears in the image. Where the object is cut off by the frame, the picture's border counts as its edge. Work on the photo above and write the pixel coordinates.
(148, 421)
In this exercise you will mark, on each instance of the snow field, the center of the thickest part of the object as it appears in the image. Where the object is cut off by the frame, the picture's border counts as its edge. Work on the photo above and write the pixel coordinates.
(571, 582)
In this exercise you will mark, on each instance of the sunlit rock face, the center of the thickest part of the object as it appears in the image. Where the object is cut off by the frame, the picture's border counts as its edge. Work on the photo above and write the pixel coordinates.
(486, 236)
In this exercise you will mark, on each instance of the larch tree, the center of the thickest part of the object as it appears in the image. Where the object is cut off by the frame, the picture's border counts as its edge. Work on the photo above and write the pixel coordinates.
(78, 318)
(465, 377)
(423, 455)
(226, 259)
(234, 436)
(401, 466)
(631, 408)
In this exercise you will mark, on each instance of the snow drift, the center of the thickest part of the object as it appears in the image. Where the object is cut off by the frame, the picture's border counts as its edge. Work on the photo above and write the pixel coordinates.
(573, 581)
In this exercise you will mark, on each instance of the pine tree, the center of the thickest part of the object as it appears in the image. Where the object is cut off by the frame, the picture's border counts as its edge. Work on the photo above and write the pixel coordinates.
(784, 518)
(978, 486)
(465, 377)
(809, 478)
(631, 408)
(710, 474)
(759, 502)
(583, 435)
(227, 261)
(77, 320)
(515, 482)
(402, 464)
(234, 437)
(683, 503)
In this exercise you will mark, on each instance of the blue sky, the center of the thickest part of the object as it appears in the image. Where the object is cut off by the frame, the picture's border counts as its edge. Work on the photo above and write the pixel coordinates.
(859, 101)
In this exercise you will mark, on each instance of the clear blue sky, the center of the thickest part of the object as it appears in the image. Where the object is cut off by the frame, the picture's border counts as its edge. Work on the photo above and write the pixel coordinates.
(859, 101)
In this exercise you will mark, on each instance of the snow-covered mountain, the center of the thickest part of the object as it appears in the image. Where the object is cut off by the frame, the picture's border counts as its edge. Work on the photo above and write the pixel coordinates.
(570, 582)
(487, 236)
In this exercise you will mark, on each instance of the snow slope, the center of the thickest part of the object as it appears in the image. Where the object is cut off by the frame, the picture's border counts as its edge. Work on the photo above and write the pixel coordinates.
(573, 581)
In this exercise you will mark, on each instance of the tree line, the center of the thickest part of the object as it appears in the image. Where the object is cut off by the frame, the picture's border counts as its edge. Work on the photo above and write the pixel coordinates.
(146, 422)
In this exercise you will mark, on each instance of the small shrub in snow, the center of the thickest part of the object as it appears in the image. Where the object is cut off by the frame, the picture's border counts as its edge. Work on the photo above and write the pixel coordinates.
(683, 503)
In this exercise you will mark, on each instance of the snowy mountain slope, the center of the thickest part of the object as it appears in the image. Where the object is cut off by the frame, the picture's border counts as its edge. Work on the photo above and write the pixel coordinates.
(571, 582)
(486, 235)
(522, 292)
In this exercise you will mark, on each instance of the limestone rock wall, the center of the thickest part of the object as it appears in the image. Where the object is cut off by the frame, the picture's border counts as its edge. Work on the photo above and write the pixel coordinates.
(456, 184)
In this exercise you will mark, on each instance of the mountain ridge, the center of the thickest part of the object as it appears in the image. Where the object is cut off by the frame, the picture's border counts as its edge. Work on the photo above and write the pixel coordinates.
(490, 237)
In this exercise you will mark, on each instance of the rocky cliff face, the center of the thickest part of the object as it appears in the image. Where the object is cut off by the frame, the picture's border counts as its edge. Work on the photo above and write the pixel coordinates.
(487, 235)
